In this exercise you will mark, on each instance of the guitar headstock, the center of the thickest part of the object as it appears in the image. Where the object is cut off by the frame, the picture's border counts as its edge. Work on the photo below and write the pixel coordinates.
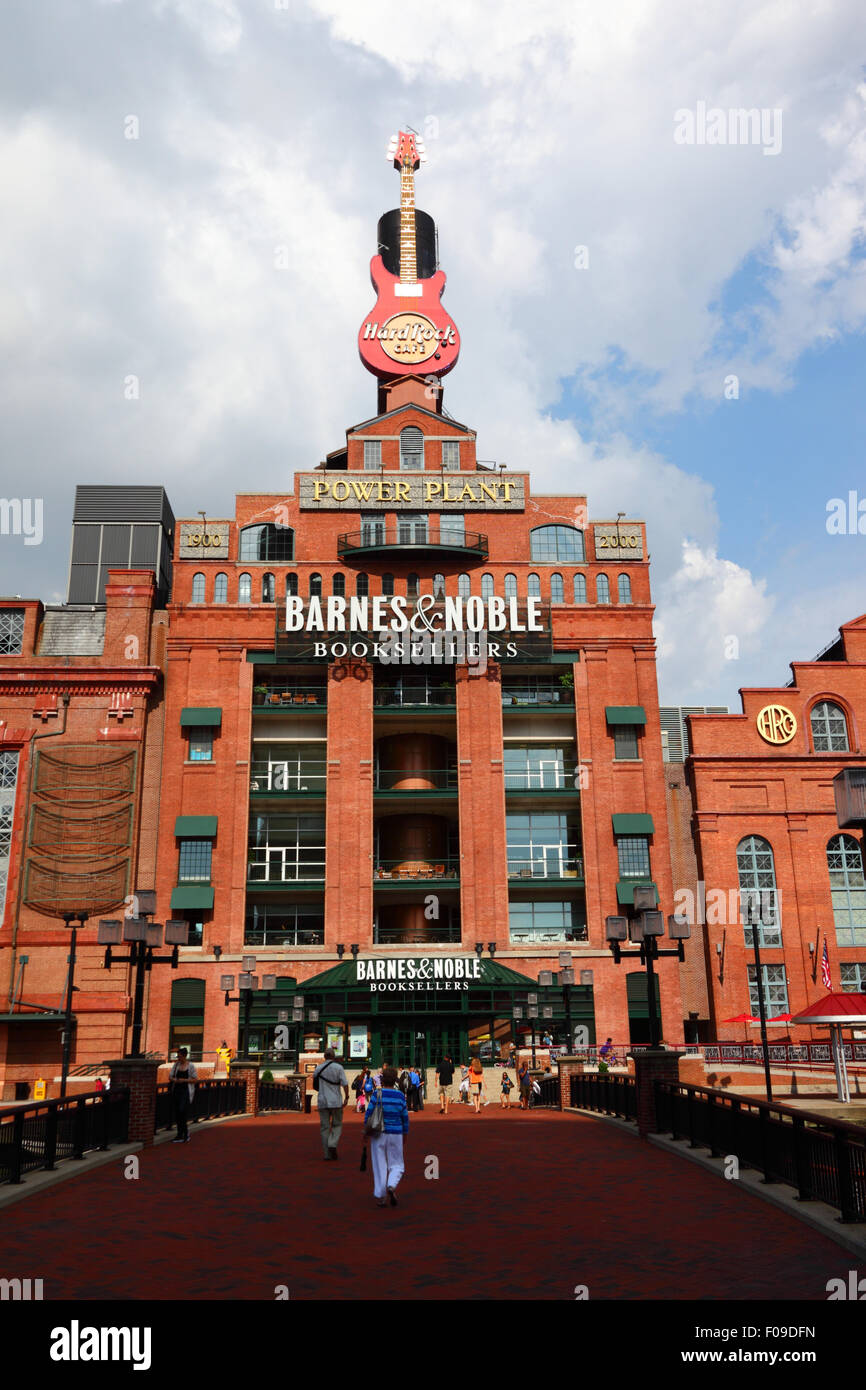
(406, 150)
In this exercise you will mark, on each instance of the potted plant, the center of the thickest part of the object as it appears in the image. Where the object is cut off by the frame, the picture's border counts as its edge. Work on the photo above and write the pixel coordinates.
(566, 680)
(267, 1075)
(603, 1069)
(259, 693)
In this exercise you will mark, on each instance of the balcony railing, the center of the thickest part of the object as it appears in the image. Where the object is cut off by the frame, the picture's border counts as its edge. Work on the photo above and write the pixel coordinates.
(411, 536)
(538, 936)
(286, 778)
(285, 865)
(437, 779)
(297, 697)
(544, 779)
(414, 870)
(413, 697)
(431, 936)
(543, 862)
(556, 695)
(287, 935)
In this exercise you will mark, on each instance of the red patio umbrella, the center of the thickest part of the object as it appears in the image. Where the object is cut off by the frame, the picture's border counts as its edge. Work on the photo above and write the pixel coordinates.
(740, 1018)
(837, 1010)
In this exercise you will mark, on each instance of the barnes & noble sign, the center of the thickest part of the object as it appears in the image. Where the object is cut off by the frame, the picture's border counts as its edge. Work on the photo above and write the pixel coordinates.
(445, 974)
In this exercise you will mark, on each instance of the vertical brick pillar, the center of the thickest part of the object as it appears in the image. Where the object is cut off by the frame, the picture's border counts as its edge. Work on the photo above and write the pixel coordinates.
(568, 1067)
(650, 1066)
(248, 1073)
(139, 1074)
(484, 874)
(349, 805)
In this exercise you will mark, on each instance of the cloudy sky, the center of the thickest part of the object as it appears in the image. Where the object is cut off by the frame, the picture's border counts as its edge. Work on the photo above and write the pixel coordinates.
(666, 321)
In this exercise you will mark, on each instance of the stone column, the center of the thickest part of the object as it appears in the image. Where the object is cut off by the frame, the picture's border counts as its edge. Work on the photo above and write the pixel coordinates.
(655, 1064)
(248, 1073)
(139, 1074)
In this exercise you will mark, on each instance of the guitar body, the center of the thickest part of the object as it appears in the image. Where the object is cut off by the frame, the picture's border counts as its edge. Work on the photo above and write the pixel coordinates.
(407, 332)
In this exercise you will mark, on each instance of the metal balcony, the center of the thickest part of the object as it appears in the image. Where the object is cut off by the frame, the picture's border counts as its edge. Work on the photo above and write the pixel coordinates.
(409, 538)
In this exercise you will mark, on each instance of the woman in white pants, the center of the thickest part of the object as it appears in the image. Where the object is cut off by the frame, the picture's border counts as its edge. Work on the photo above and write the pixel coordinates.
(386, 1149)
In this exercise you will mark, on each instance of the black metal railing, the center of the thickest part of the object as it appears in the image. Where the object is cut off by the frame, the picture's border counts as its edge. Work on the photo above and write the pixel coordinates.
(411, 534)
(549, 1093)
(413, 697)
(542, 695)
(540, 862)
(607, 1095)
(281, 777)
(824, 1159)
(435, 779)
(211, 1100)
(39, 1135)
(406, 869)
(296, 697)
(280, 1095)
(432, 935)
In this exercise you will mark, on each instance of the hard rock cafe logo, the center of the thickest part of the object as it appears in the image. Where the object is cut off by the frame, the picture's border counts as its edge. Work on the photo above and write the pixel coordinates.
(408, 338)
(776, 724)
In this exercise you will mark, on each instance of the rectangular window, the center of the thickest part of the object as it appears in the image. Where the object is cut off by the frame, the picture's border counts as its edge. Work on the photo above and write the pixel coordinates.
(284, 924)
(8, 780)
(372, 528)
(451, 455)
(194, 864)
(412, 528)
(452, 528)
(200, 745)
(543, 845)
(634, 856)
(372, 454)
(775, 990)
(11, 631)
(546, 921)
(767, 903)
(853, 977)
(536, 767)
(286, 849)
(625, 745)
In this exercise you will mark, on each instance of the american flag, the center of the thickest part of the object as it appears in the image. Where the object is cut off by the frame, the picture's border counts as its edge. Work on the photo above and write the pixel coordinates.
(825, 968)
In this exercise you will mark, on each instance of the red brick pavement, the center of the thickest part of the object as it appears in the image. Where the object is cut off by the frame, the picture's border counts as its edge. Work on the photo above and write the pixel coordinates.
(526, 1206)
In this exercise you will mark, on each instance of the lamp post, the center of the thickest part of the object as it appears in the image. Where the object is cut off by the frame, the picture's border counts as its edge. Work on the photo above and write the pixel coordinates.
(644, 930)
(69, 918)
(248, 984)
(753, 918)
(143, 938)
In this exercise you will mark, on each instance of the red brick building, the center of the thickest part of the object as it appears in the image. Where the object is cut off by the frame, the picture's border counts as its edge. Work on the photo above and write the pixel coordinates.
(765, 822)
(323, 807)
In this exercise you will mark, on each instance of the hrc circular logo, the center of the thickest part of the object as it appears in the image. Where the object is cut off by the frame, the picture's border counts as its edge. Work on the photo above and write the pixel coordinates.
(776, 724)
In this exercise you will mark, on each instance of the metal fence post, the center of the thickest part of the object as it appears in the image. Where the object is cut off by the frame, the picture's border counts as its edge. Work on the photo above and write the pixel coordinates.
(847, 1195)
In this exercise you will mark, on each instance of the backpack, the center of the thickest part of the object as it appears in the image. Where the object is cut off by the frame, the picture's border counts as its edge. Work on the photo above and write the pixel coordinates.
(318, 1074)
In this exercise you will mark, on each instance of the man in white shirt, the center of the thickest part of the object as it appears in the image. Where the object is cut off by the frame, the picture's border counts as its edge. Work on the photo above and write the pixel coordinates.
(330, 1077)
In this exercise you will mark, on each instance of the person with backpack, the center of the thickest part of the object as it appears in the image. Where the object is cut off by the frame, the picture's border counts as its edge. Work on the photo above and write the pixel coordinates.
(476, 1082)
(505, 1092)
(359, 1086)
(327, 1080)
(387, 1124)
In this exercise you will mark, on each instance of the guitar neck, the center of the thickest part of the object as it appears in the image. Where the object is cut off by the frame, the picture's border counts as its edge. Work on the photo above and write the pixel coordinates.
(408, 255)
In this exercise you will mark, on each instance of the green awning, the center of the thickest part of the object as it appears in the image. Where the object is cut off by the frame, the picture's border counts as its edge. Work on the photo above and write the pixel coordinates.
(633, 824)
(625, 714)
(196, 827)
(196, 716)
(194, 896)
(626, 886)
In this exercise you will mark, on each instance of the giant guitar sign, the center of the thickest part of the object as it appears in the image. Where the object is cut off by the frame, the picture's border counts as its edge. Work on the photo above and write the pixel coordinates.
(408, 332)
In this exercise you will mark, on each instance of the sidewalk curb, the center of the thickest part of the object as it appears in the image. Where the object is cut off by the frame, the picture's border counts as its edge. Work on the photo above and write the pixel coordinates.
(818, 1215)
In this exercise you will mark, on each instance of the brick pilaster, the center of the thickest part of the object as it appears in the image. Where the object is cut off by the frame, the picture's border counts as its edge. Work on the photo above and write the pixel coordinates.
(248, 1072)
(651, 1066)
(139, 1074)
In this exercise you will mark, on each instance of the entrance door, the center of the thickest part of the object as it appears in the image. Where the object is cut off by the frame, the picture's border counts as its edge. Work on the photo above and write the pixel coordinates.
(397, 1046)
(444, 1038)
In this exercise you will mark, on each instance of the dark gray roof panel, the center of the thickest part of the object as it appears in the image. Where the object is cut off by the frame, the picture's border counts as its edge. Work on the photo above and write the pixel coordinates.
(121, 503)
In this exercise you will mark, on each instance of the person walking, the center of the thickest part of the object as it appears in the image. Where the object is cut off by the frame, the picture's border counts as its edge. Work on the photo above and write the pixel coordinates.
(444, 1081)
(505, 1092)
(476, 1081)
(414, 1098)
(183, 1077)
(386, 1149)
(464, 1084)
(525, 1083)
(327, 1080)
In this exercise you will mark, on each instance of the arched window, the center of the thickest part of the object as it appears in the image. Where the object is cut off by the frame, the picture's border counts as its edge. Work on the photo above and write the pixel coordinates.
(291, 586)
(847, 890)
(580, 588)
(602, 589)
(221, 589)
(623, 584)
(315, 586)
(552, 545)
(362, 586)
(757, 875)
(464, 585)
(338, 585)
(487, 586)
(412, 449)
(269, 588)
(829, 729)
(557, 589)
(245, 589)
(533, 586)
(511, 586)
(388, 585)
(267, 544)
(198, 588)
(439, 586)
(412, 586)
